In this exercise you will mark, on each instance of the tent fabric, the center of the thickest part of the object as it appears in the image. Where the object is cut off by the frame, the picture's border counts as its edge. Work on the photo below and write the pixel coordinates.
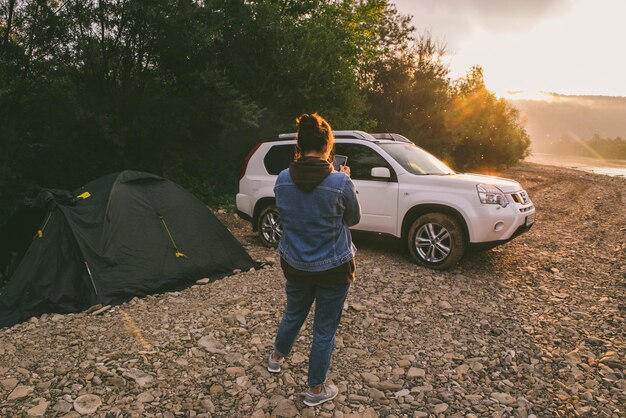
(135, 234)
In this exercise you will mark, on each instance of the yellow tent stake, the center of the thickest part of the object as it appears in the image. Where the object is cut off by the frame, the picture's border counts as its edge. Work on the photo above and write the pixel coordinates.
(84, 195)
(179, 254)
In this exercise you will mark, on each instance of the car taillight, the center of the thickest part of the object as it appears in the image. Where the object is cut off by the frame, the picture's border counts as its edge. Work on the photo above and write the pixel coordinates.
(245, 161)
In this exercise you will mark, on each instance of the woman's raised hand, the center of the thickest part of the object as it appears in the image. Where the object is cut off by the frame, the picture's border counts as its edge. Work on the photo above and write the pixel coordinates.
(344, 169)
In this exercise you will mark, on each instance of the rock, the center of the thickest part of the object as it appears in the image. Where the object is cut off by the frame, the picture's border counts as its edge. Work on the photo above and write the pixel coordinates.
(415, 373)
(370, 377)
(141, 377)
(440, 408)
(401, 393)
(38, 410)
(503, 398)
(207, 404)
(376, 394)
(116, 381)
(101, 310)
(206, 280)
(235, 371)
(216, 390)
(145, 397)
(357, 307)
(20, 392)
(442, 304)
(87, 404)
(62, 406)
(369, 413)
(285, 408)
(297, 358)
(387, 385)
(211, 345)
(9, 384)
(462, 369)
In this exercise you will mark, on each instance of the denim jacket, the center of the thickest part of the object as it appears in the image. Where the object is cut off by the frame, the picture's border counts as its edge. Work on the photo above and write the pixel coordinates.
(315, 224)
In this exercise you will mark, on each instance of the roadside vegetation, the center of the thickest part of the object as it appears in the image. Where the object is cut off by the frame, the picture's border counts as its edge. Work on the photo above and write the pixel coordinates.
(184, 88)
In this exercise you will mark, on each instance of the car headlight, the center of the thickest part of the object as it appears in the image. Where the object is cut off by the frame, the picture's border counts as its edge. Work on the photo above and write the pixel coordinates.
(490, 194)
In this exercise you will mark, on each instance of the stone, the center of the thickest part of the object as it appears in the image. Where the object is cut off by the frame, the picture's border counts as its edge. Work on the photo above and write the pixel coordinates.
(142, 378)
(415, 373)
(101, 310)
(376, 394)
(144, 397)
(297, 358)
(370, 377)
(87, 404)
(211, 345)
(503, 398)
(387, 385)
(285, 408)
(38, 410)
(9, 384)
(62, 406)
(442, 304)
(205, 280)
(440, 408)
(216, 390)
(20, 392)
(235, 371)
(207, 404)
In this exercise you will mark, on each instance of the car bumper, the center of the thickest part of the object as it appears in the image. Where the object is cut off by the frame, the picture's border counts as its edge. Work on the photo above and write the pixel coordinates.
(481, 246)
(495, 224)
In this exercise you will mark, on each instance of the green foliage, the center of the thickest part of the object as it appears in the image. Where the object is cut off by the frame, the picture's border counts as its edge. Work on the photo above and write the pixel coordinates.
(184, 88)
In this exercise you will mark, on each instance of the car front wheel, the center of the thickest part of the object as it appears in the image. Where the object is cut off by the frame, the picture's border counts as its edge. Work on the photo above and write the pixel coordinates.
(270, 226)
(435, 240)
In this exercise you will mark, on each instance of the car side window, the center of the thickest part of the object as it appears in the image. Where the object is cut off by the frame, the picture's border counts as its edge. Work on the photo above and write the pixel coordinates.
(278, 158)
(361, 160)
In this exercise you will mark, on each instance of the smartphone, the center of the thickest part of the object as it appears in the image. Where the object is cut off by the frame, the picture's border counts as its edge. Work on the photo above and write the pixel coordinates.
(338, 161)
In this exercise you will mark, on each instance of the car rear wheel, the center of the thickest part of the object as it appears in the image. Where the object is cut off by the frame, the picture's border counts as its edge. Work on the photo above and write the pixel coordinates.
(270, 226)
(435, 240)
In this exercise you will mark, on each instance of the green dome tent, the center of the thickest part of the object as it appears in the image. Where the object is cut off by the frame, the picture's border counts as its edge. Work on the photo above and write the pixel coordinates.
(123, 235)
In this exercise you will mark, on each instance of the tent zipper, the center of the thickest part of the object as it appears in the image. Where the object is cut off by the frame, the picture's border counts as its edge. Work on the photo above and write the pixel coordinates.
(179, 254)
(91, 277)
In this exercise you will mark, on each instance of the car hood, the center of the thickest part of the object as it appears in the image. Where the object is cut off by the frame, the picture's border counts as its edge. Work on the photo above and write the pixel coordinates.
(506, 185)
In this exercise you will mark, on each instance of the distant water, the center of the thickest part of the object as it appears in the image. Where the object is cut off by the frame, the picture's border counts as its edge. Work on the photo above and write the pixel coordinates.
(591, 165)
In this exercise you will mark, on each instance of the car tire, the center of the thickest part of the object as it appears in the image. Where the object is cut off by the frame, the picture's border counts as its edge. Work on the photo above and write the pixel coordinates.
(269, 226)
(436, 241)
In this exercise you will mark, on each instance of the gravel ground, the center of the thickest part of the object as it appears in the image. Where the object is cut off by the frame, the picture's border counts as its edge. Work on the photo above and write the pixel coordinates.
(532, 328)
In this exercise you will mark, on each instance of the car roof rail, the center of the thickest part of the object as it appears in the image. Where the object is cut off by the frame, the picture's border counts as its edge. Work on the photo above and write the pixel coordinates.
(391, 137)
(337, 134)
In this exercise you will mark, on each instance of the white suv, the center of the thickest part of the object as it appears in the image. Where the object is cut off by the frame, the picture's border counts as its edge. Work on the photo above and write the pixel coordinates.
(404, 191)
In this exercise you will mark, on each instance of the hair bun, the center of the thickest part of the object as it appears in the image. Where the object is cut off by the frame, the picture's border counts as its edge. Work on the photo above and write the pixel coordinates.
(307, 121)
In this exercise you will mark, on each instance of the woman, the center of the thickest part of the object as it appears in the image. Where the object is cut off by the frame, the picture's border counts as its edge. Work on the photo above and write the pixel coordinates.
(317, 205)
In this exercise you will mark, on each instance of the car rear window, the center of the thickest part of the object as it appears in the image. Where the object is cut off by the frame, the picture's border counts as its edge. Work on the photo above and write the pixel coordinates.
(278, 158)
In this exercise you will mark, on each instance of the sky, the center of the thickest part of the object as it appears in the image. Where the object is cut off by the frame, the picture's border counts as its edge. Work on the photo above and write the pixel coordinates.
(573, 47)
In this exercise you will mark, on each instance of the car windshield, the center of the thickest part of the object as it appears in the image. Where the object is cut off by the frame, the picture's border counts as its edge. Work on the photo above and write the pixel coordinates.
(415, 160)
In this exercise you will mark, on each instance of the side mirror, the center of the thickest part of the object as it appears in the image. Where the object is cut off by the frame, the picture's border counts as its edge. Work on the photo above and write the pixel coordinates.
(381, 173)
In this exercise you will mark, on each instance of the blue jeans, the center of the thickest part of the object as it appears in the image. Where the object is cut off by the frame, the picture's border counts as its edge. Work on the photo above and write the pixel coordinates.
(329, 300)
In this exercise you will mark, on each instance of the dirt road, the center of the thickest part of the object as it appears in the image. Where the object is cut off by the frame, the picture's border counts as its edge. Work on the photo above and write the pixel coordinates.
(535, 327)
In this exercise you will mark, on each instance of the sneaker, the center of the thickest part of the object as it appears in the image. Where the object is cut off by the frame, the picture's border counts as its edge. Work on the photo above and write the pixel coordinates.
(273, 366)
(327, 393)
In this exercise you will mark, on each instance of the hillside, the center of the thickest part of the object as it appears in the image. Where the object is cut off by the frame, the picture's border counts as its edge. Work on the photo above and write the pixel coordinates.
(575, 116)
